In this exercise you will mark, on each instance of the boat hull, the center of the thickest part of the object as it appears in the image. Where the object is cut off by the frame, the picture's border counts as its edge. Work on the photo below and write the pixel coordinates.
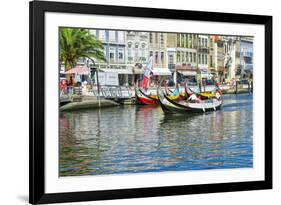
(144, 99)
(184, 107)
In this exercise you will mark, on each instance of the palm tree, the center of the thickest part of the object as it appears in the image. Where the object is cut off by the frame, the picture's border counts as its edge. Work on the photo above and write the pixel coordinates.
(76, 43)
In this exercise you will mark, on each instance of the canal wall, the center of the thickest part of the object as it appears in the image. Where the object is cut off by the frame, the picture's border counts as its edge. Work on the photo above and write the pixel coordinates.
(88, 104)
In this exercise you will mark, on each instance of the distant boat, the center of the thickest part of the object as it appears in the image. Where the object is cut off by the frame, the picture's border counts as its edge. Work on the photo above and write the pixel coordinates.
(186, 106)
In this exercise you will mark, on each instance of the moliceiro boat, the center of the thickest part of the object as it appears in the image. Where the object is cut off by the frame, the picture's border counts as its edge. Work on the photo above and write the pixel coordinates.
(192, 105)
(146, 98)
(143, 98)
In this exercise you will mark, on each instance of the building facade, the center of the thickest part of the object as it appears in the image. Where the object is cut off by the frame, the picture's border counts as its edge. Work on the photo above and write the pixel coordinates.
(203, 55)
(225, 54)
(157, 49)
(246, 57)
(136, 53)
(182, 55)
(114, 43)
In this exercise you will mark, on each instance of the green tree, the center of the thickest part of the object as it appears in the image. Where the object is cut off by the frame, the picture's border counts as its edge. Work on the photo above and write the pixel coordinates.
(76, 43)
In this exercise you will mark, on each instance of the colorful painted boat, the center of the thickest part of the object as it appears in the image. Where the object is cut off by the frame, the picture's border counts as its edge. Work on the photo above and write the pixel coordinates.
(144, 98)
(202, 95)
(185, 106)
(149, 99)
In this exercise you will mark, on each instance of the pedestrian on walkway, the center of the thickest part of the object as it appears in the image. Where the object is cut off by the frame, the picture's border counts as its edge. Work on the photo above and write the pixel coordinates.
(70, 84)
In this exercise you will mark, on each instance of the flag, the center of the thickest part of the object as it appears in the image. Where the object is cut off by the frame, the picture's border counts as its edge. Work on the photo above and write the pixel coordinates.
(147, 71)
(148, 67)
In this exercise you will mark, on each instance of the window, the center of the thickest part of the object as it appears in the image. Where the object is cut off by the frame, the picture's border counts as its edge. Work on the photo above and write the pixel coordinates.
(186, 56)
(190, 57)
(112, 54)
(199, 58)
(121, 36)
(121, 54)
(130, 55)
(178, 40)
(182, 57)
(182, 40)
(171, 59)
(187, 40)
(156, 37)
(162, 57)
(102, 34)
(206, 59)
(143, 53)
(178, 56)
(156, 57)
(162, 39)
(194, 57)
(211, 60)
(150, 38)
(136, 51)
(112, 36)
(150, 53)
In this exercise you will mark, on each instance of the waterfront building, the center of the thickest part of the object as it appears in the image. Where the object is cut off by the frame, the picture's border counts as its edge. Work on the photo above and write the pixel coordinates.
(158, 50)
(136, 53)
(226, 60)
(232, 57)
(246, 57)
(182, 55)
(203, 53)
(219, 68)
(171, 54)
(114, 43)
(212, 69)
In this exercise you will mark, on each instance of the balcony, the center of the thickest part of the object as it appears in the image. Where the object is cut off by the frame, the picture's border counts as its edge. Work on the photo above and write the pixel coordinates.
(143, 38)
(203, 50)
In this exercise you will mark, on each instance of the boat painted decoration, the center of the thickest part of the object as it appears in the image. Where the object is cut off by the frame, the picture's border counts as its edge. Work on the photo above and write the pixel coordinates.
(146, 98)
(192, 105)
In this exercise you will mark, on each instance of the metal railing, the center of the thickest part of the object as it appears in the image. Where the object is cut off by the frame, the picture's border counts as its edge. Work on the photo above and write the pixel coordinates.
(108, 92)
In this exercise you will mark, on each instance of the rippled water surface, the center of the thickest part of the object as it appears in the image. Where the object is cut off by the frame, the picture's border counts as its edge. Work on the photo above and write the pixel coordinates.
(133, 139)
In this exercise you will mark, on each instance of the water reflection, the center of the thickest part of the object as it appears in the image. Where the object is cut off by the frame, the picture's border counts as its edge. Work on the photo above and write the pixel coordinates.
(142, 139)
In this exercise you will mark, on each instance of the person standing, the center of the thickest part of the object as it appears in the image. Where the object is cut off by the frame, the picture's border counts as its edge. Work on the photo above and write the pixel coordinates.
(63, 87)
(70, 84)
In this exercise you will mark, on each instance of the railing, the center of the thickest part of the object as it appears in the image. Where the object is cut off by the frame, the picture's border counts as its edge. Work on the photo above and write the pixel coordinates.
(108, 92)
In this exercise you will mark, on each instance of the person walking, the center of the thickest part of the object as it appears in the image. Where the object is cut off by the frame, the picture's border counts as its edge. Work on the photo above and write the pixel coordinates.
(70, 84)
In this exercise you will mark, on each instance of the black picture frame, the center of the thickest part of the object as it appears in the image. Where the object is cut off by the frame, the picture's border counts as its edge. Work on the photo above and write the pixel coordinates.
(37, 9)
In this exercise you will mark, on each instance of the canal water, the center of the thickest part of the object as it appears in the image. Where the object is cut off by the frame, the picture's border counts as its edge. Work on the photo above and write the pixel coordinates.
(133, 139)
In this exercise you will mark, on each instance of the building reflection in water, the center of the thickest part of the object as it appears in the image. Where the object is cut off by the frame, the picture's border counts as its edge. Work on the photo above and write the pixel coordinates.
(136, 139)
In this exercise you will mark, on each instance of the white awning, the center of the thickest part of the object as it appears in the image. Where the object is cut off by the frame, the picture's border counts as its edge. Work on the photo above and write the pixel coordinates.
(206, 75)
(187, 72)
(117, 70)
(138, 71)
(161, 71)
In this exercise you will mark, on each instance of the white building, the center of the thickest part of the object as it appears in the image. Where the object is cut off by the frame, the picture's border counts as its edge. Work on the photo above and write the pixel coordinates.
(203, 52)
